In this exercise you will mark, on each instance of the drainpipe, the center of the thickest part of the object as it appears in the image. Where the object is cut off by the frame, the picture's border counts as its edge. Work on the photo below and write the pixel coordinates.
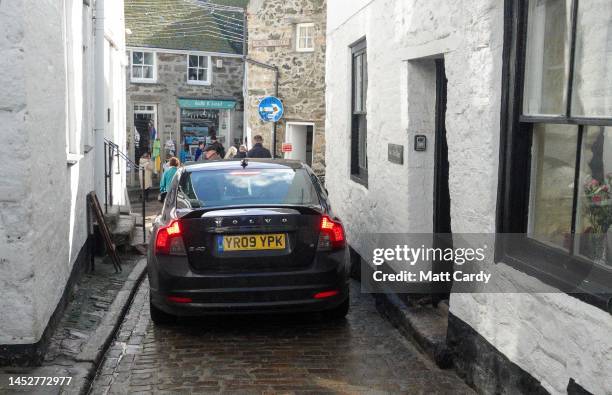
(276, 72)
(100, 105)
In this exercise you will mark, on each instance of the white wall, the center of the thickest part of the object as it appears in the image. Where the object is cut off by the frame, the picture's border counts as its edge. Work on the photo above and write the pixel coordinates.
(46, 102)
(553, 337)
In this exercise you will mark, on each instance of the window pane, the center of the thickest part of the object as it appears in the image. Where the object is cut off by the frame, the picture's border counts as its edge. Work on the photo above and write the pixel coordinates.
(193, 74)
(595, 195)
(592, 91)
(203, 61)
(547, 57)
(136, 71)
(363, 141)
(553, 167)
(137, 58)
(193, 61)
(357, 83)
(201, 75)
(148, 58)
(147, 71)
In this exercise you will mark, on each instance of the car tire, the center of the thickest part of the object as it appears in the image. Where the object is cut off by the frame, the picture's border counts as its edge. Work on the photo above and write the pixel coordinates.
(338, 312)
(160, 317)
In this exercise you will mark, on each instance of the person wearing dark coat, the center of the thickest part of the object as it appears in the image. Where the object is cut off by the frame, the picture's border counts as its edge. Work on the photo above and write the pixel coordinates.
(242, 152)
(258, 150)
(218, 146)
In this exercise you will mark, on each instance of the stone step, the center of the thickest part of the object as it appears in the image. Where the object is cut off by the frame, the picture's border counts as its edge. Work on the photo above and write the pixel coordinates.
(111, 216)
(123, 231)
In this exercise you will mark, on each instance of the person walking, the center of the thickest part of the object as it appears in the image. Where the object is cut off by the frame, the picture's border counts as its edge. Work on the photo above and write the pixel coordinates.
(199, 151)
(218, 146)
(167, 177)
(242, 152)
(258, 150)
(146, 163)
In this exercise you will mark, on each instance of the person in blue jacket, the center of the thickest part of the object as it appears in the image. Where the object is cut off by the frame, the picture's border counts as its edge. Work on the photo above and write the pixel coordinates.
(199, 151)
(167, 177)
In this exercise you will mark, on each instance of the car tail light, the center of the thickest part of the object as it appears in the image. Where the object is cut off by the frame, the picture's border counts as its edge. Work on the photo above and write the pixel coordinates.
(332, 234)
(179, 299)
(326, 294)
(169, 240)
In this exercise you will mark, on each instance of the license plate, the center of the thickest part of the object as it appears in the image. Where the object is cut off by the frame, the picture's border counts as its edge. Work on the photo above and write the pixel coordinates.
(269, 241)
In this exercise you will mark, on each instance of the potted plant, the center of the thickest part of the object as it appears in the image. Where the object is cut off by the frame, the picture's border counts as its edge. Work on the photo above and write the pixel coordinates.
(598, 208)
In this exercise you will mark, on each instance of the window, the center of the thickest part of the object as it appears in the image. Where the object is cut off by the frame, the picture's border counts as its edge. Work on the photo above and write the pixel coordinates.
(359, 154)
(198, 70)
(256, 186)
(304, 41)
(143, 67)
(558, 114)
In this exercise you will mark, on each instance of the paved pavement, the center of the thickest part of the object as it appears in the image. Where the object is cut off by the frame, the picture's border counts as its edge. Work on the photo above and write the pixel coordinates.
(362, 354)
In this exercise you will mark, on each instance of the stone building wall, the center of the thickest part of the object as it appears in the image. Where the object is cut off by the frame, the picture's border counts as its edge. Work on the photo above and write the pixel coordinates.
(171, 84)
(551, 336)
(272, 34)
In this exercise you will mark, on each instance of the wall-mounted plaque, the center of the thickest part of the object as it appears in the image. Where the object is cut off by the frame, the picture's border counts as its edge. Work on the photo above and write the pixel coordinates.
(396, 153)
(283, 42)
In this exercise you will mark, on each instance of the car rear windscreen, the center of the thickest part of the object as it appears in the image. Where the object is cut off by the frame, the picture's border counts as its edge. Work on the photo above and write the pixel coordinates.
(212, 188)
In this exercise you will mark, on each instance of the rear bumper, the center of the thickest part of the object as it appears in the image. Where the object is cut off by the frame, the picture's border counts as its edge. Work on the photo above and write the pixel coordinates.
(248, 293)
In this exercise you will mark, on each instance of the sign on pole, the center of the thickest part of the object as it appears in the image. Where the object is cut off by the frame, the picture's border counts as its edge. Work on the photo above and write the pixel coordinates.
(270, 109)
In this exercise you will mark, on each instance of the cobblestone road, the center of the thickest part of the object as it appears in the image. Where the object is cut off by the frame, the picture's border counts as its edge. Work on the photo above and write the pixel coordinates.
(363, 354)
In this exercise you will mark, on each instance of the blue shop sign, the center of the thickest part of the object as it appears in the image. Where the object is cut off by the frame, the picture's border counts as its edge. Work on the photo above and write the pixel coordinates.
(271, 109)
(207, 104)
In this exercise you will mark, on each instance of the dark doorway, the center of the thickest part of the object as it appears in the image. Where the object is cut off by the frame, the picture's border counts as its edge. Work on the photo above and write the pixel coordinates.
(441, 199)
(141, 123)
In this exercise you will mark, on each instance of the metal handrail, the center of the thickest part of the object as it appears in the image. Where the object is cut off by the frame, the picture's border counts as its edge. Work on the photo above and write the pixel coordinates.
(114, 151)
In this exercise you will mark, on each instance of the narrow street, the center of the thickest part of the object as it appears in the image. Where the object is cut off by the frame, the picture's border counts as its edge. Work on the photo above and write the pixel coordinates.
(363, 354)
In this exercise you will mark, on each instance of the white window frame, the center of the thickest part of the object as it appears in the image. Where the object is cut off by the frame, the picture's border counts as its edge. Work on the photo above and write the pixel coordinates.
(208, 69)
(298, 29)
(143, 80)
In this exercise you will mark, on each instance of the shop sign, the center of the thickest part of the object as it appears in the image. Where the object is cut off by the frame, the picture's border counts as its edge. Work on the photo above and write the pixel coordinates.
(207, 104)
(283, 42)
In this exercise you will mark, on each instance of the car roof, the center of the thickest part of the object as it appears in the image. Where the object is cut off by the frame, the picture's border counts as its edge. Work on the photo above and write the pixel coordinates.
(230, 164)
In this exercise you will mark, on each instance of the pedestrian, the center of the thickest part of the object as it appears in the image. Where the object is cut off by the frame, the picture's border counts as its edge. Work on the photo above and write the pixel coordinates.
(231, 152)
(210, 153)
(146, 164)
(173, 165)
(199, 151)
(258, 150)
(242, 152)
(218, 146)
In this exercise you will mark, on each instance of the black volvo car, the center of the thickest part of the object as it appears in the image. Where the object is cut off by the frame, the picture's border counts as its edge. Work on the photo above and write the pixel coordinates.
(250, 236)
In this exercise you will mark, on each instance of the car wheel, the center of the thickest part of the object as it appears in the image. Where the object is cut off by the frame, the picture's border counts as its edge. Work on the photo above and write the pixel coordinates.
(160, 317)
(338, 312)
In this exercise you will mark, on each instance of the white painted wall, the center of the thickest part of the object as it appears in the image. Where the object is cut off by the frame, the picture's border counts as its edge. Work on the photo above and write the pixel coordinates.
(45, 120)
(553, 337)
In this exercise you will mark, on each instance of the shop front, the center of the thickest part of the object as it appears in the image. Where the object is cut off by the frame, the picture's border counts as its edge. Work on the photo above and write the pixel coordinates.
(203, 118)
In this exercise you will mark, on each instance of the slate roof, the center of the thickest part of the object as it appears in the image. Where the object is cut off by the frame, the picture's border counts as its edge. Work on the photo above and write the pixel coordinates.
(184, 25)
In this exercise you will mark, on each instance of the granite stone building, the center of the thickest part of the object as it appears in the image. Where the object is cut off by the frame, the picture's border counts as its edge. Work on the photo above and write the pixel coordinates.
(493, 119)
(186, 74)
(286, 52)
(63, 93)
